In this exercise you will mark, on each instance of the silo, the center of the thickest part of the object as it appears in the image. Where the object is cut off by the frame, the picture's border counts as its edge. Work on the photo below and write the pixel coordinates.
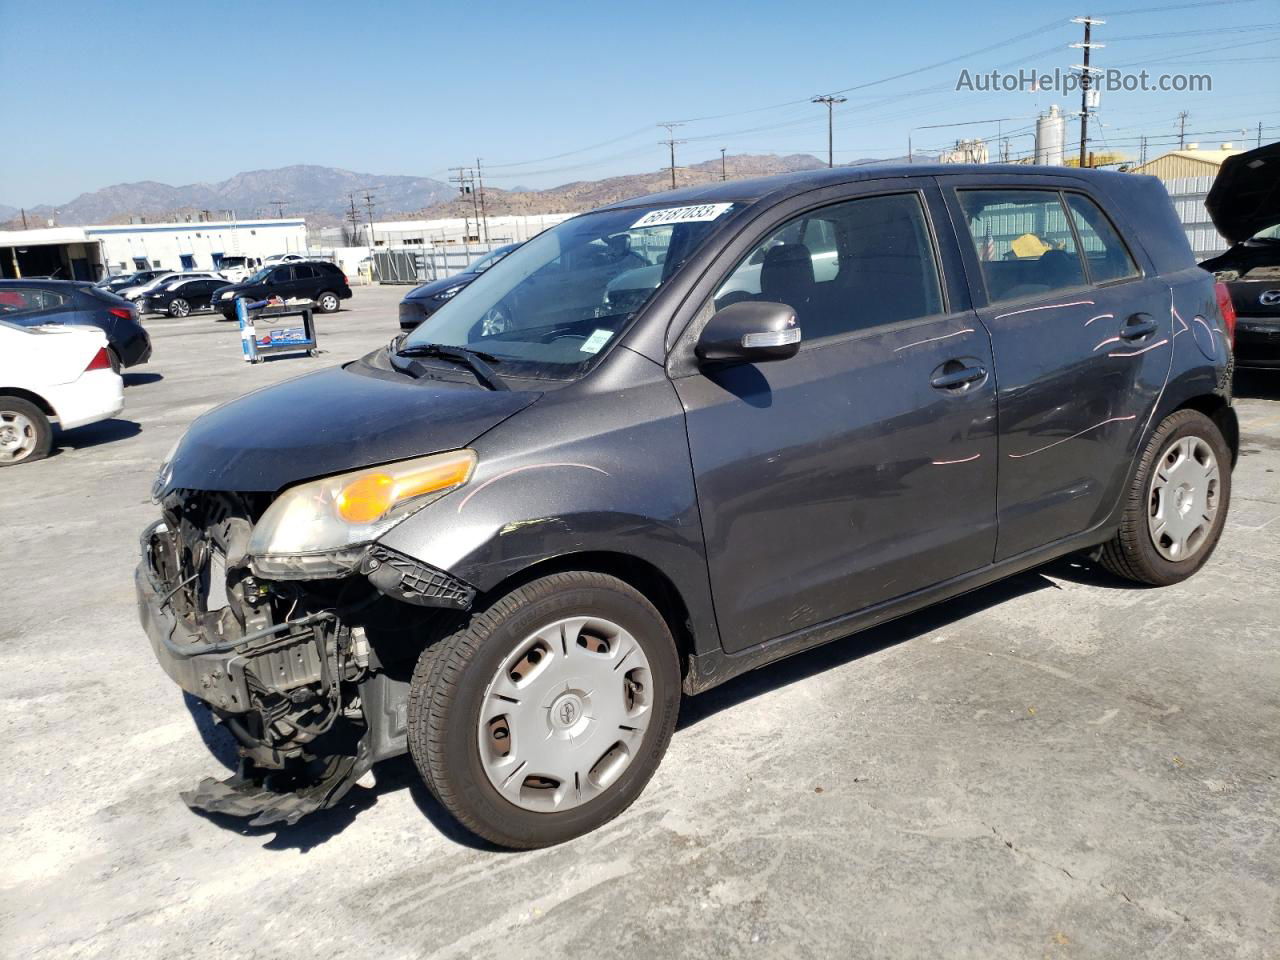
(1051, 131)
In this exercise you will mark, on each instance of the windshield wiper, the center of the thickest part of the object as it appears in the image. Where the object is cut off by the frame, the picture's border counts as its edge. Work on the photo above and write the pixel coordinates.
(477, 361)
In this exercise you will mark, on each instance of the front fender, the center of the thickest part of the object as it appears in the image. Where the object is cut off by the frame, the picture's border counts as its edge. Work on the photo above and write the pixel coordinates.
(583, 471)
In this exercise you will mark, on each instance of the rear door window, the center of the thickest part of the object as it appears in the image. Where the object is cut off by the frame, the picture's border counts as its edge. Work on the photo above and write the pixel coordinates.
(1105, 253)
(15, 301)
(1023, 241)
(305, 271)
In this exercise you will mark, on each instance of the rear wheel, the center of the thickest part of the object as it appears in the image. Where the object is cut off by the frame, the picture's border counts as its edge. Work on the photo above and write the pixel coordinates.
(179, 308)
(25, 432)
(547, 714)
(328, 302)
(1177, 503)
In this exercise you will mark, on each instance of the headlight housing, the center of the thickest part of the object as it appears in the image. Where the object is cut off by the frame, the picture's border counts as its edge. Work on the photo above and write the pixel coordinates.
(447, 294)
(323, 526)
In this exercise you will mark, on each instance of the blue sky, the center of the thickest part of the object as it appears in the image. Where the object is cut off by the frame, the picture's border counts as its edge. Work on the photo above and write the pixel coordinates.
(98, 94)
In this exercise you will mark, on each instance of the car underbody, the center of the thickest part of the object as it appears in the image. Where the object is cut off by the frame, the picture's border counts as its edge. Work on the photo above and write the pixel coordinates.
(310, 676)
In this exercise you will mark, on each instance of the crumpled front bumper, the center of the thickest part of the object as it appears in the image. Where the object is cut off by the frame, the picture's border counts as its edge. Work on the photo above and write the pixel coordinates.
(216, 678)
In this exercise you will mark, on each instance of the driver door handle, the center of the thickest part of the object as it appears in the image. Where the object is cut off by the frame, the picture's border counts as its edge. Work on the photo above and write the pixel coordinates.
(951, 379)
(1138, 325)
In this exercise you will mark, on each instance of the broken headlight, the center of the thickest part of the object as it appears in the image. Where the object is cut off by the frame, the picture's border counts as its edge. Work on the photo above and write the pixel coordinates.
(322, 527)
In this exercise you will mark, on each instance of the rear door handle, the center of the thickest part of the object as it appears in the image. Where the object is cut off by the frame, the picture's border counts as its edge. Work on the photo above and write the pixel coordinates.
(1138, 326)
(951, 379)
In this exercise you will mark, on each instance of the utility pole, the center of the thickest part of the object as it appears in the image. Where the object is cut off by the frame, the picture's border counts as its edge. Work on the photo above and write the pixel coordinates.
(466, 182)
(1085, 81)
(1259, 133)
(484, 217)
(368, 205)
(24, 209)
(1182, 129)
(354, 216)
(671, 144)
(279, 205)
(1142, 151)
(723, 176)
(830, 102)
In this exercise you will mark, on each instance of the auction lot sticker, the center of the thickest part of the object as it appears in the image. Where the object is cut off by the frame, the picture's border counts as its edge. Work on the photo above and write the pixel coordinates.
(698, 213)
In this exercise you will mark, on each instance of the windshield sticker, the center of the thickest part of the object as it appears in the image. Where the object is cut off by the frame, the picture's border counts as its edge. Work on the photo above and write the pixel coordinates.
(700, 213)
(597, 340)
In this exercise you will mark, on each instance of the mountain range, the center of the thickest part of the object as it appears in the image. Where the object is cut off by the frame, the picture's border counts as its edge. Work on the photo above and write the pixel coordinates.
(324, 194)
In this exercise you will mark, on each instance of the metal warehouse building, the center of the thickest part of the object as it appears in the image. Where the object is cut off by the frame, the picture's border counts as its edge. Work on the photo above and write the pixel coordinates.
(87, 253)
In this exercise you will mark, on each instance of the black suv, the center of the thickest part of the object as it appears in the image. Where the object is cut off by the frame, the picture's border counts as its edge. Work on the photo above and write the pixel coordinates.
(316, 280)
(670, 441)
(32, 303)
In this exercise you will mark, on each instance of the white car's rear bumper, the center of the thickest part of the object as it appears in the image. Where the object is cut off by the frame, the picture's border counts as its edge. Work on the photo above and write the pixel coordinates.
(95, 395)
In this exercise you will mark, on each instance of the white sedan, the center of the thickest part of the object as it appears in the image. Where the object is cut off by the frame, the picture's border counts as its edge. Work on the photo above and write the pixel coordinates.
(48, 373)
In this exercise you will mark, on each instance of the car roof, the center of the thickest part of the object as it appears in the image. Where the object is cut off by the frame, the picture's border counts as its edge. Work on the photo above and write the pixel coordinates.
(784, 185)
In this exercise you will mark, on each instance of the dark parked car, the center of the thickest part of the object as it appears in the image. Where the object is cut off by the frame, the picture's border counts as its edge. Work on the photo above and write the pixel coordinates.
(316, 280)
(179, 298)
(119, 281)
(420, 302)
(30, 303)
(1245, 206)
(652, 449)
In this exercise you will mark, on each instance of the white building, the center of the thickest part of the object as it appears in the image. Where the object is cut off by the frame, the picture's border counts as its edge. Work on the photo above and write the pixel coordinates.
(504, 229)
(86, 253)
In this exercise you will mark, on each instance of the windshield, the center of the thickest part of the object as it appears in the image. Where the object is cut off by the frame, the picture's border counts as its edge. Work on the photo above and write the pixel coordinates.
(228, 262)
(548, 308)
(260, 276)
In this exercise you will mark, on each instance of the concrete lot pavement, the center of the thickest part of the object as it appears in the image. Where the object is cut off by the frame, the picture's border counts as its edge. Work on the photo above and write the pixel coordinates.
(1056, 766)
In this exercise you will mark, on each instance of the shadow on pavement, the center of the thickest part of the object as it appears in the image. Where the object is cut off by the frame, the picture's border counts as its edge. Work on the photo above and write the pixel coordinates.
(835, 654)
(105, 431)
(1257, 384)
(141, 379)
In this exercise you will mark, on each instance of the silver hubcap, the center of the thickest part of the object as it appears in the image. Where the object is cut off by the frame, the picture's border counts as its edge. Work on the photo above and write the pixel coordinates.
(565, 714)
(17, 436)
(329, 303)
(180, 308)
(1184, 498)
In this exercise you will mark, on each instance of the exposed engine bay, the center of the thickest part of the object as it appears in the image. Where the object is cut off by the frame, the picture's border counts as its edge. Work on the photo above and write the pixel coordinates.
(310, 676)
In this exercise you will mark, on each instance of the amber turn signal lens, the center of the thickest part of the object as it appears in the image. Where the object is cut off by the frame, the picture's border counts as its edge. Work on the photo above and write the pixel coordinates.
(369, 496)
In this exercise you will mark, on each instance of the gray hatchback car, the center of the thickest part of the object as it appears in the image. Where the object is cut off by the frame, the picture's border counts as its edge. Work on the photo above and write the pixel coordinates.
(669, 441)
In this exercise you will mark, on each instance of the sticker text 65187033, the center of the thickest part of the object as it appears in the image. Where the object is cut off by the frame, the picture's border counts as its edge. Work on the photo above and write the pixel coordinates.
(697, 213)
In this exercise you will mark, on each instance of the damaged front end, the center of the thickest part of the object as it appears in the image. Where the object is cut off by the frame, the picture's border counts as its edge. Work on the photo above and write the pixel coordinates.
(306, 666)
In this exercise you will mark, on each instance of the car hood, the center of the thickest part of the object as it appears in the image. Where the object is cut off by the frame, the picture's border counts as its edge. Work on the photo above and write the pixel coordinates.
(328, 422)
(440, 286)
(1245, 196)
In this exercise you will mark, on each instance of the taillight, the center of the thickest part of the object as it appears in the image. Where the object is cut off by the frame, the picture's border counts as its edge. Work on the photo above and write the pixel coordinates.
(1228, 310)
(101, 360)
(124, 313)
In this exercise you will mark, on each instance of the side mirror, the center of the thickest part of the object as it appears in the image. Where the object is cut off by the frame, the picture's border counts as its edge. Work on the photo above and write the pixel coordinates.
(750, 331)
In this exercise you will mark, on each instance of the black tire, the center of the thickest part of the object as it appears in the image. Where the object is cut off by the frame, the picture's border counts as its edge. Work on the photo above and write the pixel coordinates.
(36, 440)
(1132, 553)
(449, 683)
(327, 301)
(179, 308)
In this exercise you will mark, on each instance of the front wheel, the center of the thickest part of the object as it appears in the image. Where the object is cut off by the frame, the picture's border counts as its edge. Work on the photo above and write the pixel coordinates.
(546, 715)
(327, 302)
(1177, 503)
